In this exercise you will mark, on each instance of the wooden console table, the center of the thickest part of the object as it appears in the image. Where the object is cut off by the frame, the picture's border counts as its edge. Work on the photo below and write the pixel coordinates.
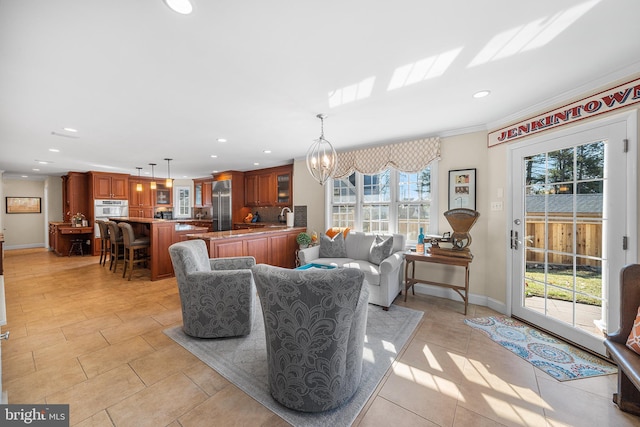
(410, 280)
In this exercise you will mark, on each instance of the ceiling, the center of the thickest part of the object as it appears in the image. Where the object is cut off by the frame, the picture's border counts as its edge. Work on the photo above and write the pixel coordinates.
(141, 83)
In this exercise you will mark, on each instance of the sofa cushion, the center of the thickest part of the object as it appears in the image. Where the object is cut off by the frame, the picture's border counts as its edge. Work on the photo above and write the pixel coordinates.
(332, 248)
(333, 231)
(371, 271)
(380, 249)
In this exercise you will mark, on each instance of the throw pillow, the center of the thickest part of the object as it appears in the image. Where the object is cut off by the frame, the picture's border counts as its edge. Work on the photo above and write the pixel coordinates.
(380, 249)
(333, 231)
(633, 342)
(332, 248)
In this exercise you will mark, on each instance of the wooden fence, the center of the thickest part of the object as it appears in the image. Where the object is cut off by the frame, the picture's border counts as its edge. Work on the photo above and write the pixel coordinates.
(560, 239)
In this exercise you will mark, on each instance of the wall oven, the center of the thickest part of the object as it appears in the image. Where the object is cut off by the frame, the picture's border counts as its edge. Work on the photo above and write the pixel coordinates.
(105, 209)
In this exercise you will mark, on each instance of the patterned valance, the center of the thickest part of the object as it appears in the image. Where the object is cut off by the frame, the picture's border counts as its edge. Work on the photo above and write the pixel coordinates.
(410, 156)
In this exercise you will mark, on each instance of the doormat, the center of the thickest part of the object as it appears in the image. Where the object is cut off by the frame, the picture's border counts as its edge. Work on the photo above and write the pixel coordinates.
(243, 361)
(555, 357)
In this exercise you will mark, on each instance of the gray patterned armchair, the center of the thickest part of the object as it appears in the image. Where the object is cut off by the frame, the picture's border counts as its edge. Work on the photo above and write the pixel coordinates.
(315, 323)
(217, 295)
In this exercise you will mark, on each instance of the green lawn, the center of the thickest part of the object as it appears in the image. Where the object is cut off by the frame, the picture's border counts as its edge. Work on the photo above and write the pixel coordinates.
(588, 285)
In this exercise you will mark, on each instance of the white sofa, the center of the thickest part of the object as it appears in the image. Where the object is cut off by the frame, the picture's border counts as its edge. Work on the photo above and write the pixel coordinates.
(384, 280)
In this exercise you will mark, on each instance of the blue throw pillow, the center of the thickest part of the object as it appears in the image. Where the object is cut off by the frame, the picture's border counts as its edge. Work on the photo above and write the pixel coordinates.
(380, 249)
(332, 248)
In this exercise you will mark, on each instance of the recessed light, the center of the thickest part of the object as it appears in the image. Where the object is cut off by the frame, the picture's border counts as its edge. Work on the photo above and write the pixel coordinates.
(213, 156)
(70, 130)
(256, 164)
(481, 94)
(24, 176)
(267, 151)
(35, 170)
(43, 162)
(54, 150)
(183, 7)
(222, 140)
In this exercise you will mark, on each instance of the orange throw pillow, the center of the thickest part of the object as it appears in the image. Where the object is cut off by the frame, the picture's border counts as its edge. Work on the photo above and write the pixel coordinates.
(333, 231)
(633, 342)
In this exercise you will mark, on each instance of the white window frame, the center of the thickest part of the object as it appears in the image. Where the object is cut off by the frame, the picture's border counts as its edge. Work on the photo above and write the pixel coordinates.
(393, 203)
(187, 206)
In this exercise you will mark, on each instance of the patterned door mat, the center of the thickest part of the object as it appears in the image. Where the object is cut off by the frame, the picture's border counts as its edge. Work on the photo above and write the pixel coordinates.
(555, 357)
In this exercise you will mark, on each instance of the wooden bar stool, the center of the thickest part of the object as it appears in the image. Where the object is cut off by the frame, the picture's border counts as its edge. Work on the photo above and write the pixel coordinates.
(76, 247)
(135, 248)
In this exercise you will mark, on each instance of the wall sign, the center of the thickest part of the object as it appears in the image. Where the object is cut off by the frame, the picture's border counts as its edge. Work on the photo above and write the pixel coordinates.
(603, 102)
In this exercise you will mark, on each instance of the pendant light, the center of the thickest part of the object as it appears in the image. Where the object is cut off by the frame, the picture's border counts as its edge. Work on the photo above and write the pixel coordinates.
(139, 184)
(153, 177)
(322, 159)
(169, 181)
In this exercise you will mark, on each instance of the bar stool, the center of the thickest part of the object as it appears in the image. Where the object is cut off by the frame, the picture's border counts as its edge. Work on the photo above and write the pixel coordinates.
(135, 248)
(116, 251)
(76, 247)
(105, 242)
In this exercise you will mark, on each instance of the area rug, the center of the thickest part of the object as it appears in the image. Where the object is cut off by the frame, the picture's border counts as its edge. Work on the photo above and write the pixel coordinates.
(555, 357)
(243, 361)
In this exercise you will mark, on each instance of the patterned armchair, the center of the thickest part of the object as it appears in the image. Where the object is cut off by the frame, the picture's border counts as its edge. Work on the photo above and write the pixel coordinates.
(315, 323)
(217, 295)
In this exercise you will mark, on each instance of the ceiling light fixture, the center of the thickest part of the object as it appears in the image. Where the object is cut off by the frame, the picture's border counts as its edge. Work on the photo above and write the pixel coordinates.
(322, 159)
(169, 182)
(222, 140)
(182, 7)
(139, 184)
(481, 94)
(153, 177)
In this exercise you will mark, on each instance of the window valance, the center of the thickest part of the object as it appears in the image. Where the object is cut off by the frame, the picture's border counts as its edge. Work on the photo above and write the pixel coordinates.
(409, 156)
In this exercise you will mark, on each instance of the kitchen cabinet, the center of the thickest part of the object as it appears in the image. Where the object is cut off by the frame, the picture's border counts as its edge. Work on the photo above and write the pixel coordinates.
(75, 195)
(109, 186)
(284, 187)
(140, 202)
(269, 187)
(163, 195)
(202, 190)
(61, 235)
(274, 247)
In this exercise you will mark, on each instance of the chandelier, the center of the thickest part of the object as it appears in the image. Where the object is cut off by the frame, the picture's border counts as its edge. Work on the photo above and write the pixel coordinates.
(322, 159)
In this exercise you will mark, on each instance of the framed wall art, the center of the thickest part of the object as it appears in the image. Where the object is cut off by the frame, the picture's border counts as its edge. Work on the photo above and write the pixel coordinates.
(462, 189)
(15, 205)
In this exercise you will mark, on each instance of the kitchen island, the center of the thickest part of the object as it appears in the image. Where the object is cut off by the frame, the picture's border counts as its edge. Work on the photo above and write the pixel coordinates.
(162, 234)
(272, 244)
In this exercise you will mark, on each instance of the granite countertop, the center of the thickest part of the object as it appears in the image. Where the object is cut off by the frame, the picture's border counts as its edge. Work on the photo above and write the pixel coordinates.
(214, 235)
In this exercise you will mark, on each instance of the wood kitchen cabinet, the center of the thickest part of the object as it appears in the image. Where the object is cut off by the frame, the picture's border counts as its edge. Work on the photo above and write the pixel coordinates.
(202, 190)
(140, 202)
(109, 185)
(269, 187)
(75, 195)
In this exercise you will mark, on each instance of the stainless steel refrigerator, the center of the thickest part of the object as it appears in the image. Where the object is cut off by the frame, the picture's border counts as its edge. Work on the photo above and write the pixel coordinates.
(221, 201)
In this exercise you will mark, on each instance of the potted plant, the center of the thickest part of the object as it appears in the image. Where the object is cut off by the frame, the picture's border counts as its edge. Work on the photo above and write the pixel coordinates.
(303, 239)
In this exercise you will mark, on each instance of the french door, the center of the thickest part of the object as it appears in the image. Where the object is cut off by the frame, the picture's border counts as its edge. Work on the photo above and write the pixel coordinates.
(570, 229)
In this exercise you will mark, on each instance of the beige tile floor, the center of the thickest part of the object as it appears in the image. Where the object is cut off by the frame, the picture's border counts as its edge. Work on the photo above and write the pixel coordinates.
(84, 336)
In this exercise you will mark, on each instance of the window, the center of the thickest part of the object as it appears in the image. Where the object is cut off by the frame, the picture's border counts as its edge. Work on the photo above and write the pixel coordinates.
(183, 202)
(387, 202)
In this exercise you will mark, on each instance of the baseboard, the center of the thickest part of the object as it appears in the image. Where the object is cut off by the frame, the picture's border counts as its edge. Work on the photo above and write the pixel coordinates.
(440, 292)
(27, 246)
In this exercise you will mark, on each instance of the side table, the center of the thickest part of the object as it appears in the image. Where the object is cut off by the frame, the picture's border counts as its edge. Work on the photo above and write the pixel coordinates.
(410, 280)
